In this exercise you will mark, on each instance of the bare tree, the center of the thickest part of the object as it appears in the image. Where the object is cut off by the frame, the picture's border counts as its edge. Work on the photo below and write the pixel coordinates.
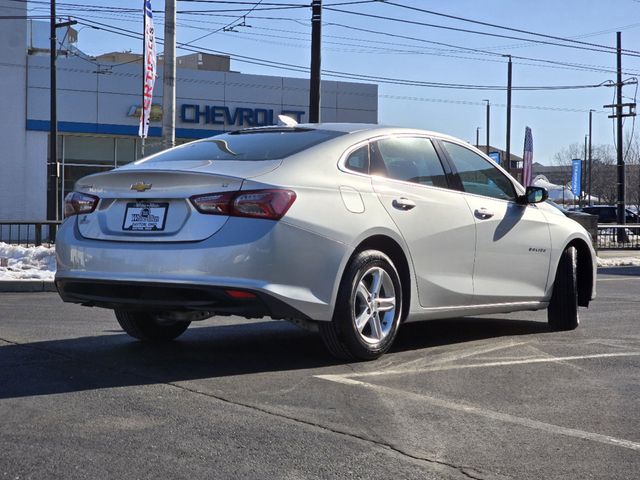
(632, 173)
(603, 175)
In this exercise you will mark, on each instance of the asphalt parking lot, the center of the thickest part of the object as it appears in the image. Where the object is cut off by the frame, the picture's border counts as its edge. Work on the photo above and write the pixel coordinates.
(489, 397)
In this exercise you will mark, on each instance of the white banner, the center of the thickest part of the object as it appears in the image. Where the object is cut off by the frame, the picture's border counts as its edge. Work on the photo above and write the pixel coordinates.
(149, 72)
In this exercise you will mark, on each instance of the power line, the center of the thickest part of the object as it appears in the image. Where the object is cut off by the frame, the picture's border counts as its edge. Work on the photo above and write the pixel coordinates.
(476, 32)
(476, 50)
(214, 82)
(472, 103)
(502, 27)
(338, 74)
(575, 66)
(216, 31)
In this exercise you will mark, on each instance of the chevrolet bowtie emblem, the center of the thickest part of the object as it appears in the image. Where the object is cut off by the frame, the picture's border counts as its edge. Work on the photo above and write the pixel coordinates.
(141, 186)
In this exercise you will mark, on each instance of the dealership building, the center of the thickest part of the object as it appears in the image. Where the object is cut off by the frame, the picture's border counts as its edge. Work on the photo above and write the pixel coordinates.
(98, 107)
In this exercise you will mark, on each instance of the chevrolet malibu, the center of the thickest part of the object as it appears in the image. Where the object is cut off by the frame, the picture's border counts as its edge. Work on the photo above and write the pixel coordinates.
(345, 229)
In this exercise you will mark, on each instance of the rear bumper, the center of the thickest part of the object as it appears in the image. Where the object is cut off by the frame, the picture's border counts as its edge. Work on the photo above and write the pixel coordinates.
(275, 260)
(174, 297)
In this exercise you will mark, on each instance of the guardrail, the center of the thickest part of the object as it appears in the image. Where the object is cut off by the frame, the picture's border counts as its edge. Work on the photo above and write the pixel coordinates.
(615, 236)
(28, 233)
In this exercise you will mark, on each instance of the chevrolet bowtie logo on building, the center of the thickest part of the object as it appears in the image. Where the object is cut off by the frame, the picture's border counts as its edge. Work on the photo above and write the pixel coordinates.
(141, 186)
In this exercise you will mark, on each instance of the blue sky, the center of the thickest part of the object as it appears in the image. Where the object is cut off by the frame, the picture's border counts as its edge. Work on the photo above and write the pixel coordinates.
(558, 118)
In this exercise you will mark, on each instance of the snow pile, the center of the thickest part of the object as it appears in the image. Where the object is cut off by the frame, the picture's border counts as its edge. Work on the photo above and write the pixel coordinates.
(27, 263)
(619, 262)
(39, 263)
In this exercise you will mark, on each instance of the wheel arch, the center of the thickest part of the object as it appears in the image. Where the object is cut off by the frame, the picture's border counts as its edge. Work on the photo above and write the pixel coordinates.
(586, 278)
(394, 251)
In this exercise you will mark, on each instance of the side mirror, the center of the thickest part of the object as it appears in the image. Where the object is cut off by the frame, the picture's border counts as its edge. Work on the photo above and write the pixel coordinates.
(533, 195)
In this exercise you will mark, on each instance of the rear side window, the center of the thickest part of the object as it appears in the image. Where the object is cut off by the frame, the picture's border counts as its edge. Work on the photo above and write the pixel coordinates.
(358, 160)
(411, 159)
(478, 176)
(248, 145)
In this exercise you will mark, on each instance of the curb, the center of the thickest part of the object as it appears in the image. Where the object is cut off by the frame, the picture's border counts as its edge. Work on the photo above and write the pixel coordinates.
(16, 286)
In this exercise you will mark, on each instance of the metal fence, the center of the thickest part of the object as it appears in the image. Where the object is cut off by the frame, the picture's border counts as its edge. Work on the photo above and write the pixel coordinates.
(614, 236)
(609, 236)
(28, 233)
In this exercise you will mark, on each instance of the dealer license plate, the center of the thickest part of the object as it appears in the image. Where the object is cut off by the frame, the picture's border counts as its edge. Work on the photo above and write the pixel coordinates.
(145, 216)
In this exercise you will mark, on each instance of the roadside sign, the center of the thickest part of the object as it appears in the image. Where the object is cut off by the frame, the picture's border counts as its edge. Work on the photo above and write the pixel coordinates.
(576, 174)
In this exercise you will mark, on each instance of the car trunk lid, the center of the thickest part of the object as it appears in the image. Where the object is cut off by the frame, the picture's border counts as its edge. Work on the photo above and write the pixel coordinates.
(151, 204)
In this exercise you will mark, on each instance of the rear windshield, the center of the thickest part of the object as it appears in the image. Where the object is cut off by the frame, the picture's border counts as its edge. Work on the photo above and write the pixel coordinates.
(248, 145)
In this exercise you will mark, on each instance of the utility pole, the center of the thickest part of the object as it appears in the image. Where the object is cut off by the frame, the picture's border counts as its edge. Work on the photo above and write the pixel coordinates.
(508, 143)
(53, 170)
(316, 40)
(622, 235)
(487, 126)
(589, 156)
(169, 76)
(619, 139)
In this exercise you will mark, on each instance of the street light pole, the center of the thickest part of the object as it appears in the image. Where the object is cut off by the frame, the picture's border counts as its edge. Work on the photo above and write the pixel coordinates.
(589, 155)
(316, 39)
(487, 126)
(169, 76)
(508, 143)
(583, 177)
(53, 170)
(52, 164)
(477, 137)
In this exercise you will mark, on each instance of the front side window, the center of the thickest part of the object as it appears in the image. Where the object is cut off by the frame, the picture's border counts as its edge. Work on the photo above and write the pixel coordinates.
(478, 176)
(411, 159)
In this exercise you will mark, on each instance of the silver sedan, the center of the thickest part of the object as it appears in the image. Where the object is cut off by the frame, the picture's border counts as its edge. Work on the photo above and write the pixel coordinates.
(346, 229)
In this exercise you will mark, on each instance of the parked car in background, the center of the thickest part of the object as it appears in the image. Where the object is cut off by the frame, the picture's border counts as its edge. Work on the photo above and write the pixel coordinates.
(346, 229)
(608, 213)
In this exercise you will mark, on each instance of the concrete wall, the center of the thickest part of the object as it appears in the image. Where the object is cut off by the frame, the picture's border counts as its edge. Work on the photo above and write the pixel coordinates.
(15, 164)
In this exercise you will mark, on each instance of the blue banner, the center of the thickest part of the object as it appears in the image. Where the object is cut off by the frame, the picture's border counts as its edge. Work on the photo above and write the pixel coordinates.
(576, 176)
(495, 156)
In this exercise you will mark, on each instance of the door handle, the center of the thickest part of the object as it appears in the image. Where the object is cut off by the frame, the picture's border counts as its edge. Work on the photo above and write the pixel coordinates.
(403, 203)
(483, 213)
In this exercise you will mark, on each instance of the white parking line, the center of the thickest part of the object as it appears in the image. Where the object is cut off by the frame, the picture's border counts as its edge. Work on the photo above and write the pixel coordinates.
(349, 379)
(619, 279)
(438, 368)
(460, 354)
(490, 414)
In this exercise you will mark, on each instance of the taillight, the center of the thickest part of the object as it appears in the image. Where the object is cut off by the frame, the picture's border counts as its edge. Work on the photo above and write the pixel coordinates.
(76, 203)
(271, 204)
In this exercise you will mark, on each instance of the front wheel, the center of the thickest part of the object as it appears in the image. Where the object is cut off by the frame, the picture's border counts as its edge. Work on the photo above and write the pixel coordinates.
(148, 327)
(368, 309)
(562, 313)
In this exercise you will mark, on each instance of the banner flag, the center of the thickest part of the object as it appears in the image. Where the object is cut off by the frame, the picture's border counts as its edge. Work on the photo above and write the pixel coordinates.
(149, 69)
(527, 158)
(576, 174)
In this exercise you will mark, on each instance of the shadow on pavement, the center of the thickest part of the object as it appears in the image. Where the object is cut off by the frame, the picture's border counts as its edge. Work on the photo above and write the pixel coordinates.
(435, 333)
(631, 270)
(116, 360)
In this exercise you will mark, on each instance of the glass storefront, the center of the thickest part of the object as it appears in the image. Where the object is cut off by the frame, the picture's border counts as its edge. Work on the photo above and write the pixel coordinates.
(81, 155)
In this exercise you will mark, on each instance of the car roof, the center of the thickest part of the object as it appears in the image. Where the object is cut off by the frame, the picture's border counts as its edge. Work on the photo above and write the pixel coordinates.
(369, 128)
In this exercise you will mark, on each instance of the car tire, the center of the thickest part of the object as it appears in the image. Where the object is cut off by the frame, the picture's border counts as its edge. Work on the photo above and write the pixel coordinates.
(145, 326)
(368, 309)
(562, 313)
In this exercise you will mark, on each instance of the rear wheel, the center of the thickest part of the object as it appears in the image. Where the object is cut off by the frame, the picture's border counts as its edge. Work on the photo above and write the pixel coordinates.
(368, 309)
(562, 313)
(148, 327)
